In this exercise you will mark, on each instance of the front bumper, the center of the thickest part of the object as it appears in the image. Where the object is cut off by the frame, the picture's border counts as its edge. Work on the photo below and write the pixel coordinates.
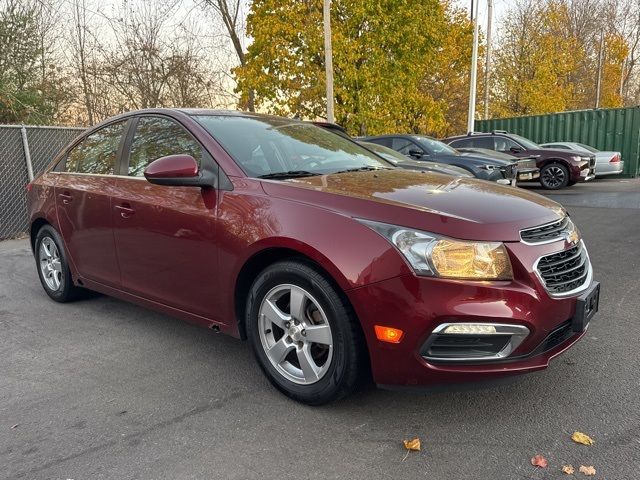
(419, 305)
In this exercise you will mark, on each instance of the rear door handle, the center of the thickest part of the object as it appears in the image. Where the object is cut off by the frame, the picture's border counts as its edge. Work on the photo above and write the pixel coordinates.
(66, 197)
(125, 210)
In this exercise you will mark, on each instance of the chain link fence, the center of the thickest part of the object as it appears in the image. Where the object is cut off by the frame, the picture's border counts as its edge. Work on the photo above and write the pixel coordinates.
(24, 151)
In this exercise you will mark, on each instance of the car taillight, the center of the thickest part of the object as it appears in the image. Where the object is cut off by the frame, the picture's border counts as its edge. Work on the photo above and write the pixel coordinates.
(615, 159)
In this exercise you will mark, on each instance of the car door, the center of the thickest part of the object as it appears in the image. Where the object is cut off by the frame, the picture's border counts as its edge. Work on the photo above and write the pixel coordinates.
(85, 183)
(165, 235)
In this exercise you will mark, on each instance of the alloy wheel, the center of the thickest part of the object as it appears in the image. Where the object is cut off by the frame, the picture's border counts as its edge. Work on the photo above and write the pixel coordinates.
(50, 263)
(553, 176)
(295, 334)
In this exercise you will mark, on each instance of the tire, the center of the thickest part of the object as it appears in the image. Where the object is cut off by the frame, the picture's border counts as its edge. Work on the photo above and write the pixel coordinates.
(339, 354)
(554, 176)
(53, 267)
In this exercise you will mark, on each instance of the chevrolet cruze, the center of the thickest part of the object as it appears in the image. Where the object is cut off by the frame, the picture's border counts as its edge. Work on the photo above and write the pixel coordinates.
(335, 266)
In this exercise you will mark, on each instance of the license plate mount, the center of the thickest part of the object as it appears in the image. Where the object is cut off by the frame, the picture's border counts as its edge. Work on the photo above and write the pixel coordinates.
(586, 307)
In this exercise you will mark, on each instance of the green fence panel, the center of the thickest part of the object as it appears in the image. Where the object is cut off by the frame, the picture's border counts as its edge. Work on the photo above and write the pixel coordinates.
(616, 129)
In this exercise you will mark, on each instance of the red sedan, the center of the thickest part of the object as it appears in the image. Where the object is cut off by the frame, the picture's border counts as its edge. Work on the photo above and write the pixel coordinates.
(333, 264)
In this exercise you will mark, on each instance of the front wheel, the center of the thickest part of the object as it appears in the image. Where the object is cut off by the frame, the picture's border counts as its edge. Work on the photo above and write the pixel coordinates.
(554, 176)
(303, 334)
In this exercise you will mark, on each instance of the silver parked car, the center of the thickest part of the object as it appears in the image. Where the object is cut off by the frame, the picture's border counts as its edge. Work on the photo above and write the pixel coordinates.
(607, 163)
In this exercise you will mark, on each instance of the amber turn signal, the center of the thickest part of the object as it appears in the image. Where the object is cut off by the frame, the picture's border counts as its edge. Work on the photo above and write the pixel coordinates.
(388, 334)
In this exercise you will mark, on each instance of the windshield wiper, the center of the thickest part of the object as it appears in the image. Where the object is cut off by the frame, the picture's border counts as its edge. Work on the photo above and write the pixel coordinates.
(363, 169)
(290, 174)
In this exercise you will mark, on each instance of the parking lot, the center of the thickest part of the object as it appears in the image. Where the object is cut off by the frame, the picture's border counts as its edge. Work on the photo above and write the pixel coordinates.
(105, 389)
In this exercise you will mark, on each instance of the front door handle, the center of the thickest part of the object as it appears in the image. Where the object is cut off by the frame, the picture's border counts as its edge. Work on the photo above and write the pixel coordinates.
(125, 210)
(66, 197)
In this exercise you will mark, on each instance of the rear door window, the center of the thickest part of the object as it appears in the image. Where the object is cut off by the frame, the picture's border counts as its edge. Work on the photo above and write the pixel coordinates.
(473, 142)
(157, 137)
(98, 153)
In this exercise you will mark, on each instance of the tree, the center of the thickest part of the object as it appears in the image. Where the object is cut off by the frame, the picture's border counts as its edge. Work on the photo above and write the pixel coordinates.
(27, 92)
(386, 55)
(229, 11)
(535, 60)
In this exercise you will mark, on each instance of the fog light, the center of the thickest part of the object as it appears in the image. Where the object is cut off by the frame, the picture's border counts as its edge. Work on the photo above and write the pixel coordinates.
(470, 329)
(388, 334)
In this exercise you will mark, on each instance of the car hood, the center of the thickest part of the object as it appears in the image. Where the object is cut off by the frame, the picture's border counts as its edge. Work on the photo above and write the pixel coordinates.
(458, 207)
(475, 158)
(558, 152)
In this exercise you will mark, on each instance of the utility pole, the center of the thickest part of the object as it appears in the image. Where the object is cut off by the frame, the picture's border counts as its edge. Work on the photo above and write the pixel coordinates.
(474, 70)
(328, 58)
(600, 62)
(622, 69)
(487, 61)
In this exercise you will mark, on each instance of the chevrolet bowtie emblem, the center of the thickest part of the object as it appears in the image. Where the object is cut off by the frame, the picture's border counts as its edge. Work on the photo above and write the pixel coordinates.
(572, 237)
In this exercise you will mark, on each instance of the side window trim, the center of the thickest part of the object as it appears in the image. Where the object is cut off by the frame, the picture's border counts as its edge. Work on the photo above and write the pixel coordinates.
(126, 146)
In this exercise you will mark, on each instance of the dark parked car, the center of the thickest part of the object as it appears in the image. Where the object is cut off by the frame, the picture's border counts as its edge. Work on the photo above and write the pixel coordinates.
(401, 161)
(330, 262)
(526, 167)
(558, 168)
(427, 149)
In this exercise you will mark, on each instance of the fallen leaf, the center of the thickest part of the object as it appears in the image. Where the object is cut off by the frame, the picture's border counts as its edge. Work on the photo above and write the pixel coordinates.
(589, 471)
(582, 438)
(412, 444)
(539, 461)
(13, 427)
(568, 469)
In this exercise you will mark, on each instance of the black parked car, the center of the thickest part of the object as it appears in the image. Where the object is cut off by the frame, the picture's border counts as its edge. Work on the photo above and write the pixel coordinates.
(401, 161)
(527, 169)
(558, 168)
(427, 149)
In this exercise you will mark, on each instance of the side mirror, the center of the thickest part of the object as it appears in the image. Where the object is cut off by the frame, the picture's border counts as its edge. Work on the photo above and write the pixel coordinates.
(417, 153)
(515, 150)
(178, 171)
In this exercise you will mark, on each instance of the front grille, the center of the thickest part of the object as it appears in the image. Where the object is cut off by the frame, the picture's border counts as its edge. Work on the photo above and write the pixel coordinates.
(545, 233)
(564, 271)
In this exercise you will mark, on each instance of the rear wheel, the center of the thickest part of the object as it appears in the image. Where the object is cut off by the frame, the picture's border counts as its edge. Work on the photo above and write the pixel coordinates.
(303, 334)
(53, 268)
(554, 176)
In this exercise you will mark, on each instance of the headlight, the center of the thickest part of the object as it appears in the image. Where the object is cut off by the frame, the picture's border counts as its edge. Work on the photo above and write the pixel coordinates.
(431, 254)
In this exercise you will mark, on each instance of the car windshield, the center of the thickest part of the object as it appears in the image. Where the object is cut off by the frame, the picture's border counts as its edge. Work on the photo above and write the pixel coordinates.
(435, 146)
(280, 148)
(587, 148)
(525, 142)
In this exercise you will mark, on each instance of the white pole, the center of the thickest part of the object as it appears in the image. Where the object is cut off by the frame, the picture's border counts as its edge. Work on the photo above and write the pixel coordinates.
(474, 72)
(599, 78)
(328, 58)
(27, 153)
(487, 61)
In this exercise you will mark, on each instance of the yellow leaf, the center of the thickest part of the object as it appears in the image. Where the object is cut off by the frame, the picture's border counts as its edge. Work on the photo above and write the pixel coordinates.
(582, 438)
(568, 469)
(412, 444)
(589, 471)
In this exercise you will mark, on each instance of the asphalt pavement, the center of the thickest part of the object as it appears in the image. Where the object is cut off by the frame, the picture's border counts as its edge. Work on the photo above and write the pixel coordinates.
(102, 389)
